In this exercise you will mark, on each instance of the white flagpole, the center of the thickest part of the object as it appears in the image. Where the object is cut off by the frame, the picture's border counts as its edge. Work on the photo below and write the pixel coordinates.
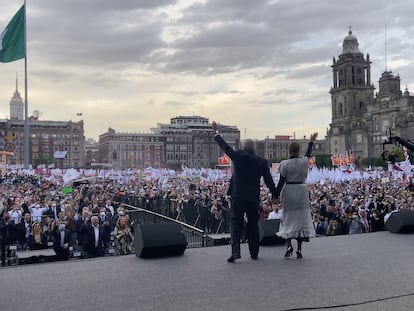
(26, 118)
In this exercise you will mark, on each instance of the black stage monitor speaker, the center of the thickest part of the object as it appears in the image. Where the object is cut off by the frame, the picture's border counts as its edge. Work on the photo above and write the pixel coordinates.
(159, 240)
(401, 221)
(267, 232)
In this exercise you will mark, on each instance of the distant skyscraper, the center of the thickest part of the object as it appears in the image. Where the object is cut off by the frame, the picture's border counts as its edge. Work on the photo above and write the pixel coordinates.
(16, 106)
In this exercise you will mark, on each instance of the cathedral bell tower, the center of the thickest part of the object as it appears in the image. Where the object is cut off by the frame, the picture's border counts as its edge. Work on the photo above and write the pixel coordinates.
(351, 94)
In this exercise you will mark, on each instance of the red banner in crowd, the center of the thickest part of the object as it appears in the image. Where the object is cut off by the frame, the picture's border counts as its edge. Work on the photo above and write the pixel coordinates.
(311, 161)
(351, 158)
(336, 160)
(224, 160)
(342, 160)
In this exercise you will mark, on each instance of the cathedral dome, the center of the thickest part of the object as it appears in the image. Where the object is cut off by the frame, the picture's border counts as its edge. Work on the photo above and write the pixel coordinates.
(350, 44)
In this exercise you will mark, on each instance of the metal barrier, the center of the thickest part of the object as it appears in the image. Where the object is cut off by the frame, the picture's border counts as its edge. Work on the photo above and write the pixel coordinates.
(188, 213)
(195, 237)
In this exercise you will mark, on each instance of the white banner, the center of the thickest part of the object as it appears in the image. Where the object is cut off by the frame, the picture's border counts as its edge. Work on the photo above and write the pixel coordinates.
(60, 154)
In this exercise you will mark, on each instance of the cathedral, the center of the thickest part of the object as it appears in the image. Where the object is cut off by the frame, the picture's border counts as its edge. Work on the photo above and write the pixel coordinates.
(362, 118)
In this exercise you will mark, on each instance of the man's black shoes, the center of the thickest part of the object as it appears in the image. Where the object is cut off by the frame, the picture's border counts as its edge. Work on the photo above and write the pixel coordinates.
(233, 258)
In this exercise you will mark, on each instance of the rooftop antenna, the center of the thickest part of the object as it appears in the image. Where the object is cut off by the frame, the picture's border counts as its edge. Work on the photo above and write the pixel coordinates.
(386, 69)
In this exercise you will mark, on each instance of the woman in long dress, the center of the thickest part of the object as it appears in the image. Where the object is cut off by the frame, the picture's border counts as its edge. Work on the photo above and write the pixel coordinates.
(297, 221)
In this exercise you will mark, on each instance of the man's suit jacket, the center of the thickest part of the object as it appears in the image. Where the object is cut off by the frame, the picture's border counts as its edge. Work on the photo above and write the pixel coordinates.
(8, 233)
(248, 170)
(79, 225)
(109, 220)
(57, 237)
(21, 231)
(89, 240)
(52, 212)
(61, 253)
(320, 228)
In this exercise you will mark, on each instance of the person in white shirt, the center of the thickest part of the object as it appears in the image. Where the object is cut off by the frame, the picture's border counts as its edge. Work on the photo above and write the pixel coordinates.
(37, 210)
(110, 208)
(16, 214)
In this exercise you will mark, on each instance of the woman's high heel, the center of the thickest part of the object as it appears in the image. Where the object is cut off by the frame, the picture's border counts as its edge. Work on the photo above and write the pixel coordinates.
(289, 252)
(299, 255)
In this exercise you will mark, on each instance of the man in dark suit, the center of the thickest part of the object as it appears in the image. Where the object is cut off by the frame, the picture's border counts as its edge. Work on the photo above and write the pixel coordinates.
(94, 238)
(53, 211)
(61, 241)
(8, 235)
(24, 228)
(245, 193)
(106, 222)
(83, 220)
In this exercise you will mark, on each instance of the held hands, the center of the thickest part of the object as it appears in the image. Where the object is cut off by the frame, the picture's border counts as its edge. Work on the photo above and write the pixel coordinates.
(313, 136)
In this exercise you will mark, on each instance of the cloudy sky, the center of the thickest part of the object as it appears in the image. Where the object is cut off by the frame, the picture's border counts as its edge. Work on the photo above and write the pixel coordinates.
(261, 65)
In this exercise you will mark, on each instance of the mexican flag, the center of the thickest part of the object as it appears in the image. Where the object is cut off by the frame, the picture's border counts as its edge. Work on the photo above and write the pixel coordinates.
(12, 39)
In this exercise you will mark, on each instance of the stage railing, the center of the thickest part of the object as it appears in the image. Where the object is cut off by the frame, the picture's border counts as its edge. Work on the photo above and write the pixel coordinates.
(195, 236)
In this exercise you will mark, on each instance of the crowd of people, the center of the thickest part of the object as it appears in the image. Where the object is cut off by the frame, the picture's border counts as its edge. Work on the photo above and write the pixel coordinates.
(93, 217)
(36, 214)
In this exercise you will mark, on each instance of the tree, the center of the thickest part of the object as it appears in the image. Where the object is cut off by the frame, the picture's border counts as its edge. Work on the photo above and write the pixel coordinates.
(323, 160)
(374, 162)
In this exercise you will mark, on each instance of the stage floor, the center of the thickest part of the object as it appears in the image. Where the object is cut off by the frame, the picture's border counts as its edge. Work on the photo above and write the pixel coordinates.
(372, 271)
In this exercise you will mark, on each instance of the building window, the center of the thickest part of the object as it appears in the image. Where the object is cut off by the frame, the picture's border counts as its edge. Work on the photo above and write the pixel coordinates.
(385, 125)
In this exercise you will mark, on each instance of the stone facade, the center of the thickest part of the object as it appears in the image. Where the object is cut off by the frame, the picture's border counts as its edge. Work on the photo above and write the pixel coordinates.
(277, 148)
(46, 138)
(131, 150)
(186, 140)
(360, 118)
